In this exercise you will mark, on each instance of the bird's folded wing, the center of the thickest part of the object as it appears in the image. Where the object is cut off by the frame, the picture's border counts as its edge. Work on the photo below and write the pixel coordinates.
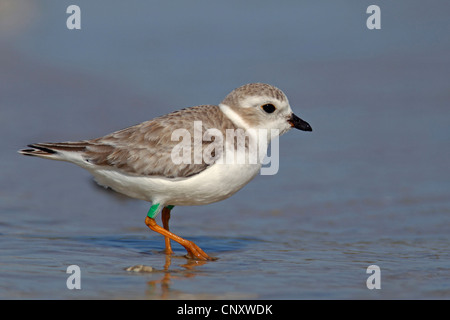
(147, 148)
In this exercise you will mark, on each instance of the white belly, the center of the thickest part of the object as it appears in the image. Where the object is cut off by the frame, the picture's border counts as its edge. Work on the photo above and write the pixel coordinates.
(216, 183)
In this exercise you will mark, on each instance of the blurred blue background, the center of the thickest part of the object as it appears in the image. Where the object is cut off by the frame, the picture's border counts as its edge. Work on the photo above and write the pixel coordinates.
(370, 184)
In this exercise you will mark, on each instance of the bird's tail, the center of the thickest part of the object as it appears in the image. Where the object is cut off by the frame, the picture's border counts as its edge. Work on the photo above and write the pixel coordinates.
(56, 151)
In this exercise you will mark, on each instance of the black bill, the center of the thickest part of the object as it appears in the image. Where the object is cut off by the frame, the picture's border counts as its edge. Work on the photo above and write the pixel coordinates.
(298, 123)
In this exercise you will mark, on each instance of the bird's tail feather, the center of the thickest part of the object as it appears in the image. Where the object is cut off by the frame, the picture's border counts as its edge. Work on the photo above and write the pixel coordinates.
(55, 151)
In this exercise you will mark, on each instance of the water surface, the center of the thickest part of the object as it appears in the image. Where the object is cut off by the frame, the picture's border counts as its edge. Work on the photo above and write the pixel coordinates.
(370, 185)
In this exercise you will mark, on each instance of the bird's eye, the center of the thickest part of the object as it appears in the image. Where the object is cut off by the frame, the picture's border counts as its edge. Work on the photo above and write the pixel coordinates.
(269, 108)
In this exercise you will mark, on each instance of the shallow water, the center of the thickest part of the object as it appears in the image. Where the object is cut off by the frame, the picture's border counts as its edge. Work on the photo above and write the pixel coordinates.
(369, 186)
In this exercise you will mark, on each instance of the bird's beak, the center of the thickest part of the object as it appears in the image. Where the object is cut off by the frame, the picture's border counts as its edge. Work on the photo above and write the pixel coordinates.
(298, 123)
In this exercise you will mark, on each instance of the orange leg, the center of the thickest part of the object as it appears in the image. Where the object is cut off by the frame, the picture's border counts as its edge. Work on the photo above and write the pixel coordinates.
(165, 220)
(192, 249)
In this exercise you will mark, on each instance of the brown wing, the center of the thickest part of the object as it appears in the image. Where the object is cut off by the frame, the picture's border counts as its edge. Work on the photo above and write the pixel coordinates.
(146, 149)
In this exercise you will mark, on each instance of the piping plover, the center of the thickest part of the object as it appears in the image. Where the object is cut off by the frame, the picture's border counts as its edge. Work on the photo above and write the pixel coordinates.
(139, 161)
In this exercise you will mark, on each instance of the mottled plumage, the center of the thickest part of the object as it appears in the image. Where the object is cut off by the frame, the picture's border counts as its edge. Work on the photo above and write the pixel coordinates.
(144, 149)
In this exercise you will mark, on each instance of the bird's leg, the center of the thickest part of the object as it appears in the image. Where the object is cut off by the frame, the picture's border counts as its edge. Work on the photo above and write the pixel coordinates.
(165, 217)
(192, 249)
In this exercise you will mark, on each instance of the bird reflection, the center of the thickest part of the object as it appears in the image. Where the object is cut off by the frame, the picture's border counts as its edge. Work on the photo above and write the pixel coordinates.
(160, 288)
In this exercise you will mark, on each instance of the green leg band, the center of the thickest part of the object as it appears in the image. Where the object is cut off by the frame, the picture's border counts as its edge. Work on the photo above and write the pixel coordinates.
(154, 210)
